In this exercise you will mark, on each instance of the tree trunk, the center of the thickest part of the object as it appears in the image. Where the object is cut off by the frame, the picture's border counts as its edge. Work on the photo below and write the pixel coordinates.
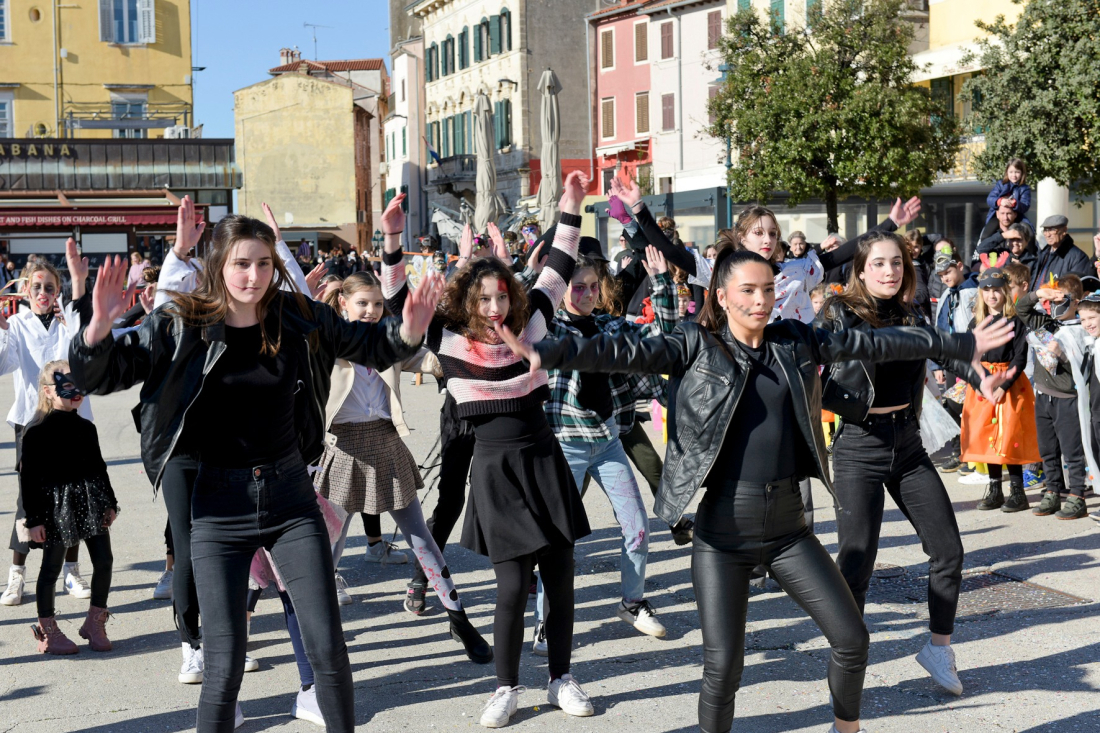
(831, 218)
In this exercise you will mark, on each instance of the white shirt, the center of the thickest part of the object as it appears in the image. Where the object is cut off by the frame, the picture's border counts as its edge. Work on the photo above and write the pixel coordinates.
(25, 349)
(368, 399)
(183, 277)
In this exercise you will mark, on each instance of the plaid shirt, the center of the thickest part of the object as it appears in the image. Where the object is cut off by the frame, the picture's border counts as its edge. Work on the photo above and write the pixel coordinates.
(570, 421)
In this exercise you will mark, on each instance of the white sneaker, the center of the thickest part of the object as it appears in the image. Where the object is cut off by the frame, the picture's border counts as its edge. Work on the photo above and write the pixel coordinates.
(342, 596)
(163, 591)
(538, 647)
(939, 661)
(385, 553)
(75, 585)
(305, 707)
(501, 706)
(642, 617)
(250, 664)
(974, 478)
(238, 717)
(13, 595)
(191, 671)
(566, 694)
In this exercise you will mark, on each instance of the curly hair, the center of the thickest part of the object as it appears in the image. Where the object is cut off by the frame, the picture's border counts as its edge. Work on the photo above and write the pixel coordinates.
(459, 304)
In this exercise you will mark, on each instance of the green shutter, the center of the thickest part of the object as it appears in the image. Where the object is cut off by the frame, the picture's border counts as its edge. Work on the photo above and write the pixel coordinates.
(744, 5)
(494, 34)
(477, 43)
(779, 15)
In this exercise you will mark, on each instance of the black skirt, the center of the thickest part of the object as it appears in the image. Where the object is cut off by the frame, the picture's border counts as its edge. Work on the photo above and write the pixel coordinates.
(522, 494)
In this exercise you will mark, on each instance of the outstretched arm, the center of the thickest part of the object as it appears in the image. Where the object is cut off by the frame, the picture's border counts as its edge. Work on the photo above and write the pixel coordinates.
(631, 195)
(900, 215)
(395, 288)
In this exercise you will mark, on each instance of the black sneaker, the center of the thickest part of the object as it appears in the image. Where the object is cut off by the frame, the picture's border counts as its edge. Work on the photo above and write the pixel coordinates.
(683, 531)
(965, 468)
(1073, 508)
(950, 465)
(1050, 504)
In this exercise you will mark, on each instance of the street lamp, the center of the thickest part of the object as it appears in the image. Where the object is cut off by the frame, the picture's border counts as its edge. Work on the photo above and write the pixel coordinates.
(721, 81)
(377, 240)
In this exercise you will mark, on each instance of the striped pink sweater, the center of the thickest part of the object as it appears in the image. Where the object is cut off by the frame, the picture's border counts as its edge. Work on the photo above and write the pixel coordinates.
(484, 378)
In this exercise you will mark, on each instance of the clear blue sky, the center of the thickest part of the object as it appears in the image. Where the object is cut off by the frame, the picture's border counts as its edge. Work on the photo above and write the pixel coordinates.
(239, 40)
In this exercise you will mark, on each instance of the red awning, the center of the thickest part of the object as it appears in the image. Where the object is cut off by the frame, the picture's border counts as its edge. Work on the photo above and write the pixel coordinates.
(121, 216)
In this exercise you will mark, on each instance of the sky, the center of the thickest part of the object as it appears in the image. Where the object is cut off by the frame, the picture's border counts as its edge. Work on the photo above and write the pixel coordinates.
(239, 40)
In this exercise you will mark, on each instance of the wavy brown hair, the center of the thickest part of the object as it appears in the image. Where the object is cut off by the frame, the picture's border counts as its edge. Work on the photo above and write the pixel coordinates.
(745, 221)
(209, 302)
(858, 299)
(460, 300)
(611, 291)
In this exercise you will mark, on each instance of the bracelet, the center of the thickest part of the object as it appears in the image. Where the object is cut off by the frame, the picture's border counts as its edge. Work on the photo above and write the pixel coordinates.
(392, 234)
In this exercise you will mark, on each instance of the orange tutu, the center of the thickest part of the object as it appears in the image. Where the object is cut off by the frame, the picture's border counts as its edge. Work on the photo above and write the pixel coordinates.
(1001, 434)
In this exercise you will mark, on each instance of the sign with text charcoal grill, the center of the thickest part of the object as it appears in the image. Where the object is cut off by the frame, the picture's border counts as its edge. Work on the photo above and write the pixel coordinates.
(982, 593)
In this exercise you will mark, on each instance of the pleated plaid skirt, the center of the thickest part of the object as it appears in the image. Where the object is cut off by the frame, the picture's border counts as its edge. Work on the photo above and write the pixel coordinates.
(370, 469)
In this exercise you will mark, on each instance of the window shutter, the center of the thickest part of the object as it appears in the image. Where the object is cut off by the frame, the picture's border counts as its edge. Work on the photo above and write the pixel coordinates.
(507, 106)
(477, 43)
(505, 30)
(404, 142)
(607, 118)
(666, 40)
(494, 35)
(607, 50)
(779, 11)
(641, 42)
(714, 29)
(147, 21)
(106, 22)
(668, 112)
(641, 113)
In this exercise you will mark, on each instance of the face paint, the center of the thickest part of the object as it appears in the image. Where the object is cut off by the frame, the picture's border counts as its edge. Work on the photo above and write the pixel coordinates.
(63, 383)
(530, 233)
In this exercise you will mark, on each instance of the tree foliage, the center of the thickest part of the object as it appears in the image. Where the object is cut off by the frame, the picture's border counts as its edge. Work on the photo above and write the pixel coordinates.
(1039, 95)
(828, 111)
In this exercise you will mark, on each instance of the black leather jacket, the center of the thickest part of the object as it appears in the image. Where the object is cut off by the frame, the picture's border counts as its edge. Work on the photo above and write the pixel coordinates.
(712, 370)
(171, 360)
(848, 387)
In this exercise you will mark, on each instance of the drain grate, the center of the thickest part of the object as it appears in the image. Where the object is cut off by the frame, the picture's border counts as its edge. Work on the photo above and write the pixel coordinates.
(982, 593)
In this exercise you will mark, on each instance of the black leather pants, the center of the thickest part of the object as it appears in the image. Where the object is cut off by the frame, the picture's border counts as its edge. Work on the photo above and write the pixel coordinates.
(738, 527)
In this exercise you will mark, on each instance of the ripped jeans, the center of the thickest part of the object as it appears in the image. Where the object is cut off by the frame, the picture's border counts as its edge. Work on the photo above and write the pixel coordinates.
(609, 466)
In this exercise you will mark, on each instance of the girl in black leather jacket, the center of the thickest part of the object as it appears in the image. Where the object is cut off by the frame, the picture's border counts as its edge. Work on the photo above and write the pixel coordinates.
(747, 429)
(879, 449)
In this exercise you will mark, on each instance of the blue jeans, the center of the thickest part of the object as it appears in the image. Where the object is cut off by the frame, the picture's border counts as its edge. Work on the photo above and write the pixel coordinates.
(608, 465)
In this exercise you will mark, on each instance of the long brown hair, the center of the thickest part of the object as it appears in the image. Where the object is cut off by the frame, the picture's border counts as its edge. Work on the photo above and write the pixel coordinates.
(1019, 164)
(610, 300)
(460, 299)
(745, 221)
(858, 299)
(209, 303)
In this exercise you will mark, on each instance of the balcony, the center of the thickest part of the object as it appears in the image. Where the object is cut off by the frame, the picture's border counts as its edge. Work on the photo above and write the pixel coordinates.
(963, 170)
(455, 169)
(131, 120)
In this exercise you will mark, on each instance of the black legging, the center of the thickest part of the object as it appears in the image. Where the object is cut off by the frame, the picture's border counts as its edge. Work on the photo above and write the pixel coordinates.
(53, 558)
(738, 527)
(177, 486)
(1015, 473)
(513, 584)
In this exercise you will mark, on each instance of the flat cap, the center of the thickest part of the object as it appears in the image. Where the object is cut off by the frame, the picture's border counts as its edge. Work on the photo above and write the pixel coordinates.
(1054, 221)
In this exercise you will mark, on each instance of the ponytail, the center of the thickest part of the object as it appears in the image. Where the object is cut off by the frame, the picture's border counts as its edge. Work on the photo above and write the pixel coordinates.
(712, 317)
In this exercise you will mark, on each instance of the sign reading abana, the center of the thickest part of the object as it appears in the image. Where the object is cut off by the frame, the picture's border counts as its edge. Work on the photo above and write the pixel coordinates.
(31, 149)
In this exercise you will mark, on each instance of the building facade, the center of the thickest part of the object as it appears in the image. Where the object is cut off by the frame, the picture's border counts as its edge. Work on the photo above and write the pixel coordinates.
(309, 141)
(500, 48)
(405, 152)
(98, 69)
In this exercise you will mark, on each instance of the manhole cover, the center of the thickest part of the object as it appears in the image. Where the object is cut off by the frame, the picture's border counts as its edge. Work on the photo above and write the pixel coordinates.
(884, 571)
(981, 593)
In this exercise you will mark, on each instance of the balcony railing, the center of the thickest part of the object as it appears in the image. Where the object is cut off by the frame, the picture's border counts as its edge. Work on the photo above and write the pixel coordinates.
(101, 116)
(454, 168)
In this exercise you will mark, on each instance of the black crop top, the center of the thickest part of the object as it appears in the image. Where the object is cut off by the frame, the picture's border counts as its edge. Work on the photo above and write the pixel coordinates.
(894, 379)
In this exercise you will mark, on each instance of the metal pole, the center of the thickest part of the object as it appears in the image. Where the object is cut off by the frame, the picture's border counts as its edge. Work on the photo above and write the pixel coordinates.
(56, 73)
(729, 199)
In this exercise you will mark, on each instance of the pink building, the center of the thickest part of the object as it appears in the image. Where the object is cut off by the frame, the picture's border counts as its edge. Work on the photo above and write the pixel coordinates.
(620, 80)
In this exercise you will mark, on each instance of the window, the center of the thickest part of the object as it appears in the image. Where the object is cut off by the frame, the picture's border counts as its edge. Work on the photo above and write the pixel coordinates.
(449, 56)
(4, 22)
(6, 124)
(429, 62)
(481, 40)
(641, 42)
(460, 134)
(607, 118)
(128, 109)
(666, 40)
(494, 35)
(402, 90)
(813, 11)
(502, 121)
(744, 5)
(505, 30)
(641, 113)
(943, 94)
(607, 49)
(127, 21)
(668, 112)
(464, 49)
(446, 138)
(714, 29)
(404, 142)
(779, 11)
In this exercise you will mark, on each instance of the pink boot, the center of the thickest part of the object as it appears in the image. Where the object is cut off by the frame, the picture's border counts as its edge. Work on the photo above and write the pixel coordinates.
(95, 629)
(50, 639)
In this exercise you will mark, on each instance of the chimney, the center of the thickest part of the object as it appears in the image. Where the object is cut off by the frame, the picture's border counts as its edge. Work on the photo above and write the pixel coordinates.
(289, 56)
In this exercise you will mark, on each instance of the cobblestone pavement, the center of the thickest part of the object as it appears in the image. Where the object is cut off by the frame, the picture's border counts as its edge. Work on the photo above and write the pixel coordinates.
(1028, 655)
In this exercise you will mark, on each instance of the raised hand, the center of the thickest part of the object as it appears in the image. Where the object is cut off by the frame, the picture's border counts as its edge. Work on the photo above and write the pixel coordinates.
(520, 349)
(109, 299)
(147, 297)
(313, 280)
(573, 192)
(78, 268)
(654, 262)
(535, 259)
(626, 189)
(989, 335)
(393, 218)
(500, 249)
(271, 221)
(904, 213)
(466, 244)
(831, 242)
(420, 307)
(188, 233)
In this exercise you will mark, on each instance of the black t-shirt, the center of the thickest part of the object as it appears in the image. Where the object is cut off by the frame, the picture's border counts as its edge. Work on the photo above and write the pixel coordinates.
(760, 444)
(244, 415)
(595, 391)
(894, 379)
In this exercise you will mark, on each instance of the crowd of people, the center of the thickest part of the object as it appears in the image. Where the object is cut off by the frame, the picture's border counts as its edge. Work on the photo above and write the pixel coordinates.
(775, 362)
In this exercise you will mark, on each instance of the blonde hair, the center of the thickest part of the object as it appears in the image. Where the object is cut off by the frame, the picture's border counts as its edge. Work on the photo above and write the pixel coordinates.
(981, 310)
(45, 379)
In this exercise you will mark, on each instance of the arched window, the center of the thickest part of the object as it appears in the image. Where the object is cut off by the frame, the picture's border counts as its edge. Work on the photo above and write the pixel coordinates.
(486, 36)
(505, 29)
(449, 56)
(431, 67)
(464, 48)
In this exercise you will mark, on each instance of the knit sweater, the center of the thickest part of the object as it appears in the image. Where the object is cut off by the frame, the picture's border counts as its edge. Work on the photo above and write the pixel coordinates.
(487, 378)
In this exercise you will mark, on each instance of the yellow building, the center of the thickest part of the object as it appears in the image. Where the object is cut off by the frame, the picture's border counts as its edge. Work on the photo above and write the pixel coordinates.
(96, 68)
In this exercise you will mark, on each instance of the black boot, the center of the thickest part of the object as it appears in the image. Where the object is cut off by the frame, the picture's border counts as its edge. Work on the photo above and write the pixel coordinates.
(994, 496)
(462, 631)
(1017, 499)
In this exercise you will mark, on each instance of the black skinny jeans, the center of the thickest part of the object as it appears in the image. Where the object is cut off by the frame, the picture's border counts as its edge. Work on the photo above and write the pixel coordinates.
(456, 453)
(738, 527)
(53, 559)
(885, 452)
(236, 512)
(177, 486)
(513, 584)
